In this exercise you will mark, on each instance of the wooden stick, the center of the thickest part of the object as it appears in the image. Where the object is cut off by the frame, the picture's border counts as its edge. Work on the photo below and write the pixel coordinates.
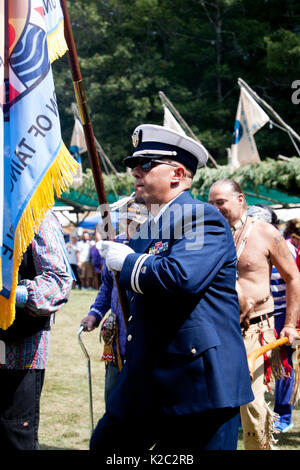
(86, 123)
(252, 356)
(90, 139)
(98, 146)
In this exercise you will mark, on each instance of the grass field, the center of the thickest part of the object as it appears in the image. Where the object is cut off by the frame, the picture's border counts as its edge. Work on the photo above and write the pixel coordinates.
(65, 416)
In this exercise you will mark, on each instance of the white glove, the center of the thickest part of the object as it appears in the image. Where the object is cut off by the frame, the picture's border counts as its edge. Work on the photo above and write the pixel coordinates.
(114, 254)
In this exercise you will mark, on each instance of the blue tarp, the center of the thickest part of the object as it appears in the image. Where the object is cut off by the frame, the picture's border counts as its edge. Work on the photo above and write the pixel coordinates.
(92, 221)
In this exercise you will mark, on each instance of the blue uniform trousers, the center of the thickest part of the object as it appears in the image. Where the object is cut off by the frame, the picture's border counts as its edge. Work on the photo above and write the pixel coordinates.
(210, 430)
(284, 386)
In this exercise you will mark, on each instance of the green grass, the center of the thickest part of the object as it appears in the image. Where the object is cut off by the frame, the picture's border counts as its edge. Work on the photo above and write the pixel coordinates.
(285, 441)
(65, 417)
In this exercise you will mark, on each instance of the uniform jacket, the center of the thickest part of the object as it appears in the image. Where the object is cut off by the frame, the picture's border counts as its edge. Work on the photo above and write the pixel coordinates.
(185, 351)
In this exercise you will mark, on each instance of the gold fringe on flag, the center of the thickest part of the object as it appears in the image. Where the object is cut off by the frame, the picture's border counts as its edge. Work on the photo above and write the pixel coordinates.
(0, 273)
(58, 177)
(57, 45)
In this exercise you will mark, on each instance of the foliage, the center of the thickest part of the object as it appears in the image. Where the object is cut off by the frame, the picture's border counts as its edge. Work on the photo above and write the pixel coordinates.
(193, 51)
(121, 184)
(259, 174)
(65, 416)
(255, 175)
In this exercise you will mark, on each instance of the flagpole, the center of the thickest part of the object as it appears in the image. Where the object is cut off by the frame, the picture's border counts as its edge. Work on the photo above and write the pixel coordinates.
(98, 146)
(89, 137)
(241, 83)
(170, 105)
(85, 121)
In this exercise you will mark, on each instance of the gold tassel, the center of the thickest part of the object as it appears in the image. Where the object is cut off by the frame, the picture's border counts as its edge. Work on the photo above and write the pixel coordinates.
(57, 45)
(58, 177)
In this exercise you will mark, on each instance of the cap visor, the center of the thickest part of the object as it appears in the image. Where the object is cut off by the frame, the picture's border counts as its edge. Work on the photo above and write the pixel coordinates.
(131, 161)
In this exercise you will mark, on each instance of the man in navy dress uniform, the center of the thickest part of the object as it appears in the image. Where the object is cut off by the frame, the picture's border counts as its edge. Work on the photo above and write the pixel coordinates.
(186, 371)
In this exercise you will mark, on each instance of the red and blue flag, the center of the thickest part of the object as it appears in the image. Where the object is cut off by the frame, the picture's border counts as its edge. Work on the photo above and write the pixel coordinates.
(35, 163)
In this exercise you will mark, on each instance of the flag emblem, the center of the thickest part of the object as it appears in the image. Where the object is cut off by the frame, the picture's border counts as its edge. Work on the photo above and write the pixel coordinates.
(238, 132)
(34, 162)
(26, 31)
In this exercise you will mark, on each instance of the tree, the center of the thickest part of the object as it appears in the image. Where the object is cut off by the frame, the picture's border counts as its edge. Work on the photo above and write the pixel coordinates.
(194, 51)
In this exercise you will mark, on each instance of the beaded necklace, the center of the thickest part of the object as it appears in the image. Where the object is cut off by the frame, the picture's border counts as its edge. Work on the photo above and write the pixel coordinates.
(241, 224)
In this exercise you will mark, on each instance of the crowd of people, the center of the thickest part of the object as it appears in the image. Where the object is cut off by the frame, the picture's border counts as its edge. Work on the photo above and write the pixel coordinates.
(85, 259)
(186, 292)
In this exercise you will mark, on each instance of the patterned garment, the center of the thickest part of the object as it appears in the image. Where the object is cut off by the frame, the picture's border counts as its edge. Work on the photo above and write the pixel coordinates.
(47, 293)
(278, 286)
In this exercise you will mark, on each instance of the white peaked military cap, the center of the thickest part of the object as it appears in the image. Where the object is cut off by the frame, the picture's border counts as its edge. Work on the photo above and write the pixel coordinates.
(152, 141)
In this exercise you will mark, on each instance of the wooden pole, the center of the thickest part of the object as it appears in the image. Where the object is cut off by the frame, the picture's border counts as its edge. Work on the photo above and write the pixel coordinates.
(262, 350)
(86, 123)
(98, 146)
(241, 83)
(90, 139)
(170, 105)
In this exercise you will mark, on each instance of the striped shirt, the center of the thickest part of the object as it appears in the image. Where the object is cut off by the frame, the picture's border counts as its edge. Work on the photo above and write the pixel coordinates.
(278, 286)
(47, 293)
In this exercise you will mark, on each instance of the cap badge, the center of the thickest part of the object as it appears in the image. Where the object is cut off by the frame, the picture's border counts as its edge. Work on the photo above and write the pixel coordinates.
(136, 137)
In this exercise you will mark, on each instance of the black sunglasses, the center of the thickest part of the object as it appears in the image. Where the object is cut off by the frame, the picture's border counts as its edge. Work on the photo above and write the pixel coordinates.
(147, 165)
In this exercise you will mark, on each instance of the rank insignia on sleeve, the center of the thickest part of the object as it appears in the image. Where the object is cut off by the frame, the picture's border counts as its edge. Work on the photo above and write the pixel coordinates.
(159, 247)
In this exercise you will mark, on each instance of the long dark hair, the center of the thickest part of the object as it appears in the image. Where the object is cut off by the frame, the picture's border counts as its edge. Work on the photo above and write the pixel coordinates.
(292, 226)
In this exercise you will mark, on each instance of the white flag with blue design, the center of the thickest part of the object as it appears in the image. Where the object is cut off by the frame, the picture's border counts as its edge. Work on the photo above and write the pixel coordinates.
(78, 143)
(250, 117)
(77, 147)
(35, 165)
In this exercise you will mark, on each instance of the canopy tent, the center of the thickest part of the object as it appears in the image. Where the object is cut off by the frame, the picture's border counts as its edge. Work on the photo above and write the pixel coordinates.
(264, 196)
(79, 199)
(92, 221)
(285, 204)
(261, 195)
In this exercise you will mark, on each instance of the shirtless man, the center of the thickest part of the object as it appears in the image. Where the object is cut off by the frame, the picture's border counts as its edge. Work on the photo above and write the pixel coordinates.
(259, 245)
